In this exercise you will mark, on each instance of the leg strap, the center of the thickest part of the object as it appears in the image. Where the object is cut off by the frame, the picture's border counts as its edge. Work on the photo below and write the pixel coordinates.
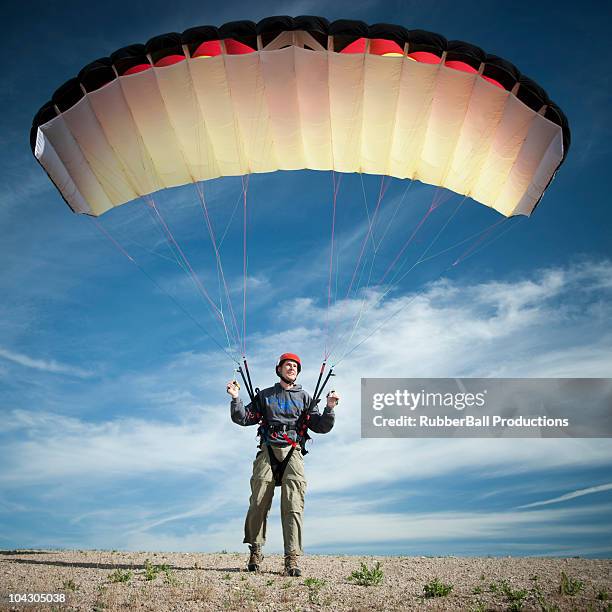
(278, 467)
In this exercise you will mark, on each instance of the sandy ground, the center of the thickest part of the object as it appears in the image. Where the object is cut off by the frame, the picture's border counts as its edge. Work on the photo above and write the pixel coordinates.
(92, 580)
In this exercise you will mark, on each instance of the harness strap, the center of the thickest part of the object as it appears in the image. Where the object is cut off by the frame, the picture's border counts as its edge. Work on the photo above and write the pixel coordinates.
(301, 429)
(278, 467)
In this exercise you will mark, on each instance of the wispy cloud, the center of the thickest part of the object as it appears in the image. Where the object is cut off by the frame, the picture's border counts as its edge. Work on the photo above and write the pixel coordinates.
(170, 421)
(525, 321)
(46, 365)
(361, 527)
(119, 449)
(568, 496)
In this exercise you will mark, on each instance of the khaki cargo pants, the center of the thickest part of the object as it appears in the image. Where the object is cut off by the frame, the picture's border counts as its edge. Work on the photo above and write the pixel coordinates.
(293, 489)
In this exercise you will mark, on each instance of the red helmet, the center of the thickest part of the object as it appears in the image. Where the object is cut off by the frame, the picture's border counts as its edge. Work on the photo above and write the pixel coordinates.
(289, 357)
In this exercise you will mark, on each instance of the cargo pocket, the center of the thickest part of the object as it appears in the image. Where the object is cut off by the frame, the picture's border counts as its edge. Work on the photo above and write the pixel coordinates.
(292, 496)
(295, 468)
(261, 467)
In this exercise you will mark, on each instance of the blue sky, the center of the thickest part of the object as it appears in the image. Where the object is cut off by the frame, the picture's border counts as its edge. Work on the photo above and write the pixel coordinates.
(116, 430)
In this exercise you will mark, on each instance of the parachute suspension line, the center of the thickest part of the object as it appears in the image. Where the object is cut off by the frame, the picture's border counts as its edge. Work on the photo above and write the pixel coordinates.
(478, 246)
(397, 207)
(422, 258)
(220, 273)
(151, 203)
(436, 201)
(335, 300)
(170, 246)
(393, 280)
(383, 190)
(229, 223)
(365, 198)
(113, 241)
(357, 319)
(384, 322)
(369, 233)
(376, 249)
(470, 237)
(245, 187)
(496, 238)
(116, 244)
(331, 260)
(155, 254)
(468, 253)
(337, 274)
(446, 223)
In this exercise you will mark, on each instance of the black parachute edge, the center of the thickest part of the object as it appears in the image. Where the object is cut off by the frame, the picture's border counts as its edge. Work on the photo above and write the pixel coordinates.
(102, 71)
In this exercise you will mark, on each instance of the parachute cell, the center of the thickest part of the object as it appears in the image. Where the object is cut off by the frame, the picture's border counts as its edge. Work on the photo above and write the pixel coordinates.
(289, 94)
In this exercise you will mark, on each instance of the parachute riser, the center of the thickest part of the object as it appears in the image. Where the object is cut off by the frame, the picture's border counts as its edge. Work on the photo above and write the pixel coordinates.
(248, 374)
(246, 384)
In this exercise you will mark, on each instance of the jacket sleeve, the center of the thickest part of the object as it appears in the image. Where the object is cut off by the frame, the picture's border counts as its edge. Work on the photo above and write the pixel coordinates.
(321, 423)
(242, 415)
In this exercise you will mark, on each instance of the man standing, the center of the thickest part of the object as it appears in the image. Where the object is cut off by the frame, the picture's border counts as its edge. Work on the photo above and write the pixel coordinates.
(279, 461)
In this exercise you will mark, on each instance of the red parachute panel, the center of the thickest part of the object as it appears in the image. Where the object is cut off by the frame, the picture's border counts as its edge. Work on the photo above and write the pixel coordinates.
(169, 60)
(381, 46)
(234, 47)
(357, 46)
(425, 57)
(137, 68)
(209, 48)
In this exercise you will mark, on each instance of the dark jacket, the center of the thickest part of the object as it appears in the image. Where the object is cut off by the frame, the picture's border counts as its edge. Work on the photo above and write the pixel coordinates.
(282, 407)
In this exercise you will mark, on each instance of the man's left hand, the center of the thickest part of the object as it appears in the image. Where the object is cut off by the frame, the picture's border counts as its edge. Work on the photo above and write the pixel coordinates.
(333, 399)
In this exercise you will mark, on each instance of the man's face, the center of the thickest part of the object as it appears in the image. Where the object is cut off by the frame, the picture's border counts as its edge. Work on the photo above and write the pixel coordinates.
(289, 370)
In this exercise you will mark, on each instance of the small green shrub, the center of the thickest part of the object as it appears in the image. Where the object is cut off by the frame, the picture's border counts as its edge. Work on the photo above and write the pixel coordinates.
(570, 586)
(602, 595)
(515, 597)
(70, 585)
(314, 586)
(120, 575)
(151, 572)
(367, 576)
(539, 596)
(436, 588)
(169, 577)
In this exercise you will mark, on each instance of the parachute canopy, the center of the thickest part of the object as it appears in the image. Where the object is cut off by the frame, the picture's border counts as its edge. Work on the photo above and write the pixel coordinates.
(288, 94)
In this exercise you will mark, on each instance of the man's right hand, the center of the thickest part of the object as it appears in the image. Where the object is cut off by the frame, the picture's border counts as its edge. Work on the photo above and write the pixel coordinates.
(233, 388)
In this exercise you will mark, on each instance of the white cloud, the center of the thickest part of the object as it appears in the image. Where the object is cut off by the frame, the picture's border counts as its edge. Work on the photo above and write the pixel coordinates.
(538, 327)
(389, 527)
(56, 448)
(51, 365)
(568, 496)
(492, 329)
(359, 526)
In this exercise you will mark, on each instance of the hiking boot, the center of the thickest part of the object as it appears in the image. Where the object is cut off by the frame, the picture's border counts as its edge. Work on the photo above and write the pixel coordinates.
(291, 565)
(256, 558)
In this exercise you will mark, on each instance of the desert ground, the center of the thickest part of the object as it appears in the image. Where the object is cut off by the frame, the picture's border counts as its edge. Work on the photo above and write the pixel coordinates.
(111, 580)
